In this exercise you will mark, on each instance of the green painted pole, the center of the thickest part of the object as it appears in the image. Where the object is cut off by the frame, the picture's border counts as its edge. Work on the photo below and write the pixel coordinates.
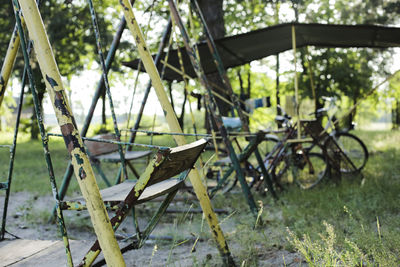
(222, 73)
(12, 157)
(214, 109)
(39, 117)
(157, 60)
(220, 66)
(107, 86)
(100, 87)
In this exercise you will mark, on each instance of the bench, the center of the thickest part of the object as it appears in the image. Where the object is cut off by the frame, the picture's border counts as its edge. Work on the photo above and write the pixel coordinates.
(158, 179)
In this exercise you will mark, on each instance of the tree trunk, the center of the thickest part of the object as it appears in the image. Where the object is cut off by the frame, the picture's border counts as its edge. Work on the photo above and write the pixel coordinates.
(214, 17)
(396, 115)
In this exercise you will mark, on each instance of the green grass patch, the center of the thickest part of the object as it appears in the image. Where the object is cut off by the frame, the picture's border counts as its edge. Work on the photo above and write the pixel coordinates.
(347, 224)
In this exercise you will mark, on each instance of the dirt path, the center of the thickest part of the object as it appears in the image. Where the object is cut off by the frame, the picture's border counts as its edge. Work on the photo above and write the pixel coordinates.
(27, 219)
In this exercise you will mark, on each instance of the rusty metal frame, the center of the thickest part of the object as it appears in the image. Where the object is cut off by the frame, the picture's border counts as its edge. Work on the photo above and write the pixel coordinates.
(72, 139)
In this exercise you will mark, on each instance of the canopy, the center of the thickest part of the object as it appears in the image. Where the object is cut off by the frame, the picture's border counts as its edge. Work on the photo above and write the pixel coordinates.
(243, 48)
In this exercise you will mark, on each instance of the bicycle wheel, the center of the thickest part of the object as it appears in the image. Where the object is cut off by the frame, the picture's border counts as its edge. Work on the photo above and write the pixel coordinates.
(306, 170)
(279, 171)
(354, 149)
(268, 144)
(310, 169)
(265, 148)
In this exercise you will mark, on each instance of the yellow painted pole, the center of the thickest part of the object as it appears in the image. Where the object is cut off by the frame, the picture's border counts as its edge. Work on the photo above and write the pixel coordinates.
(174, 126)
(8, 63)
(80, 160)
(296, 83)
(310, 74)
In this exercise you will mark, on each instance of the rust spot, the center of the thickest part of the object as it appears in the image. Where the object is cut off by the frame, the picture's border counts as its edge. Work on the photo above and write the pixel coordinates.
(215, 233)
(159, 157)
(71, 141)
(82, 173)
(122, 4)
(51, 81)
(59, 103)
(137, 40)
(2, 83)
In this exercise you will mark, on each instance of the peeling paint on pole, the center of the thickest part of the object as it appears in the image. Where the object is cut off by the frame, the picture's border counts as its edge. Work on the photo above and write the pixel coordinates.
(80, 160)
(124, 206)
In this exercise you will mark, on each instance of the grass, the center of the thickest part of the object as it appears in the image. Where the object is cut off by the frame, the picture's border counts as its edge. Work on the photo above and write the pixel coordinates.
(363, 219)
(30, 169)
(346, 224)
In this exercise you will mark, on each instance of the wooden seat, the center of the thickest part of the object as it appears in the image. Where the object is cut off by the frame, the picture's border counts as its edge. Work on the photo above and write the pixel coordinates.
(101, 151)
(113, 195)
(158, 179)
(129, 155)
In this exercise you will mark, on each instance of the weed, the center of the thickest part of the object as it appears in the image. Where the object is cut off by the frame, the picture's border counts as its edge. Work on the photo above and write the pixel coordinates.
(325, 251)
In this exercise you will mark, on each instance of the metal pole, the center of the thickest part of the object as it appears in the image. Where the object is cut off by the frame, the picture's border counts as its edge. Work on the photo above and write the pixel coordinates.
(296, 83)
(73, 141)
(157, 61)
(214, 109)
(172, 121)
(220, 66)
(107, 86)
(100, 87)
(8, 63)
(39, 117)
(12, 157)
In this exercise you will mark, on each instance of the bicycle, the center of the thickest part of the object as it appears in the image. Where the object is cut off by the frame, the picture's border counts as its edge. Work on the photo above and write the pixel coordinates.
(291, 162)
(350, 144)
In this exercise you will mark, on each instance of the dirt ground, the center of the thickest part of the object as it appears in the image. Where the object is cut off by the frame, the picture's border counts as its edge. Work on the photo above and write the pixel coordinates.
(27, 219)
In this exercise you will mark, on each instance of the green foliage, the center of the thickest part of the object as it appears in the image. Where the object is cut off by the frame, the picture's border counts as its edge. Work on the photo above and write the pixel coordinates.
(71, 36)
(343, 72)
(323, 252)
(244, 16)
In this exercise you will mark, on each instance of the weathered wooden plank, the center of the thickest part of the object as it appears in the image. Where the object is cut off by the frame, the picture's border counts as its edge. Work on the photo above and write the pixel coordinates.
(43, 253)
(181, 158)
(129, 155)
(115, 194)
(100, 148)
(17, 250)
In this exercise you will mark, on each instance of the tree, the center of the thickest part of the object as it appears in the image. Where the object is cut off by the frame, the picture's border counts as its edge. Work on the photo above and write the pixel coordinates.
(343, 72)
(69, 28)
(393, 92)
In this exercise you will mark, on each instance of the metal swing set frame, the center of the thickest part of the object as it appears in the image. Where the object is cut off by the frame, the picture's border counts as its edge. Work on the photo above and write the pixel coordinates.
(103, 226)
